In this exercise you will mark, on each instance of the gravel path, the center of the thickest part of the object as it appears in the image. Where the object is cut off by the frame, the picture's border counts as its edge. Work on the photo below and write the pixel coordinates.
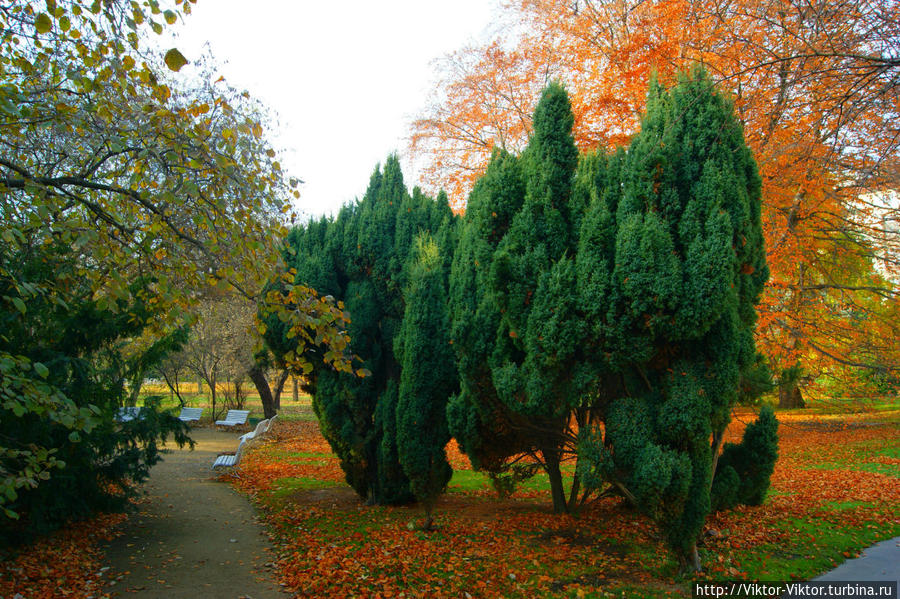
(192, 536)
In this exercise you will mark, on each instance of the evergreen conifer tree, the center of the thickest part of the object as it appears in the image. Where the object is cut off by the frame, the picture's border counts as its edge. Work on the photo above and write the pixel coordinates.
(512, 286)
(620, 290)
(360, 259)
(427, 379)
(676, 267)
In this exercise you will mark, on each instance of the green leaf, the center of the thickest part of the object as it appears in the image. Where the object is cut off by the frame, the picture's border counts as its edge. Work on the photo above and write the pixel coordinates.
(19, 304)
(170, 17)
(175, 59)
(42, 370)
(74, 437)
(42, 23)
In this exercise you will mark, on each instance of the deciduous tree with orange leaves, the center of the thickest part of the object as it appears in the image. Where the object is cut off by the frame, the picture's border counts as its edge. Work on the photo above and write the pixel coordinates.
(817, 88)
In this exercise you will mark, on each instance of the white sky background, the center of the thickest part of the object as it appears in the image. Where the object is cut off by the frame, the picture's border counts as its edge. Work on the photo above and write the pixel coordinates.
(345, 79)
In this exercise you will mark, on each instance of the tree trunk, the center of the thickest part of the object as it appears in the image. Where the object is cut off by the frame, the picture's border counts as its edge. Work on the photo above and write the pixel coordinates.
(137, 381)
(212, 393)
(690, 561)
(296, 389)
(718, 440)
(172, 383)
(279, 387)
(199, 386)
(265, 392)
(790, 397)
(573, 492)
(551, 464)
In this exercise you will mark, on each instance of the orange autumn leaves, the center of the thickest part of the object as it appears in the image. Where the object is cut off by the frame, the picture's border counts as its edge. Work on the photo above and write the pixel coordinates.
(839, 470)
(815, 86)
(65, 564)
(272, 461)
(331, 543)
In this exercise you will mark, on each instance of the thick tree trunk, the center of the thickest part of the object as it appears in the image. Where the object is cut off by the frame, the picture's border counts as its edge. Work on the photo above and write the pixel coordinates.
(212, 393)
(790, 397)
(279, 387)
(199, 386)
(551, 464)
(265, 393)
(296, 389)
(573, 492)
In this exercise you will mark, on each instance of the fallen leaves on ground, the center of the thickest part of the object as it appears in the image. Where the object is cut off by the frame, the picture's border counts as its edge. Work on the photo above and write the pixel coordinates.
(67, 563)
(331, 543)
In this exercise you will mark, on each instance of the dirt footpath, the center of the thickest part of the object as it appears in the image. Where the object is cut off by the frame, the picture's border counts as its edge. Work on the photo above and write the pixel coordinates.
(192, 536)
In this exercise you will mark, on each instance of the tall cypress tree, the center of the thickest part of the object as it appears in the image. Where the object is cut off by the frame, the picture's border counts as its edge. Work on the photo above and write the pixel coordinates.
(360, 258)
(677, 265)
(427, 379)
(511, 291)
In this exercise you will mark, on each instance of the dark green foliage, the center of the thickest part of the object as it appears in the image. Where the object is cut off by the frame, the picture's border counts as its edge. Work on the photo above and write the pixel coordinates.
(78, 342)
(514, 324)
(362, 258)
(676, 265)
(744, 469)
(428, 377)
(621, 290)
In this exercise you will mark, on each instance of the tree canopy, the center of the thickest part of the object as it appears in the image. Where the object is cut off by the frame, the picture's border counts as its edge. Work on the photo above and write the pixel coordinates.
(140, 175)
(815, 85)
(617, 289)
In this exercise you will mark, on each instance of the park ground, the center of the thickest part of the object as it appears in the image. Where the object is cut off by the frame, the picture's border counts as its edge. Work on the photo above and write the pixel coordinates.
(834, 492)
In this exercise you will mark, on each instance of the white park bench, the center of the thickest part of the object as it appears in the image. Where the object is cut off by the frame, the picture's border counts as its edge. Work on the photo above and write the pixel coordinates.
(127, 413)
(190, 414)
(227, 460)
(271, 423)
(234, 418)
(261, 429)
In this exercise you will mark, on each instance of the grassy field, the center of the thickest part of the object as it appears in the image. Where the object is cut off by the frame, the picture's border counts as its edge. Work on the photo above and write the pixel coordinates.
(834, 492)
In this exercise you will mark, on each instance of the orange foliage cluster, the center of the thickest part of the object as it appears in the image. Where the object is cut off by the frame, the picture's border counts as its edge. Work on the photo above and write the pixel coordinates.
(330, 543)
(65, 564)
(815, 86)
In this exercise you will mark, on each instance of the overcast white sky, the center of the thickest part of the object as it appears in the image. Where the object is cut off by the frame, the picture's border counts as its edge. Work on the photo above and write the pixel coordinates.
(345, 78)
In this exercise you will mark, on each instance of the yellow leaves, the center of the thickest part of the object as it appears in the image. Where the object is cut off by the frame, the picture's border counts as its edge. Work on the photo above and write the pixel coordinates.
(162, 93)
(42, 23)
(198, 109)
(175, 60)
(128, 63)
